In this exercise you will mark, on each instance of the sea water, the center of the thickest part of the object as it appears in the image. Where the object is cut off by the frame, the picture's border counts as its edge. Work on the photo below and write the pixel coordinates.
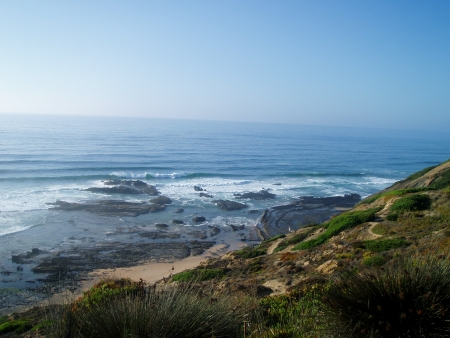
(48, 158)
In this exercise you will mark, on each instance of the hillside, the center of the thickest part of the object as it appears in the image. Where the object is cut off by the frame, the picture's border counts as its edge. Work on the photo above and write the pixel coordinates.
(411, 215)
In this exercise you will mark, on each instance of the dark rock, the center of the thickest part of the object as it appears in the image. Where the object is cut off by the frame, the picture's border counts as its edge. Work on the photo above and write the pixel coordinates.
(198, 234)
(159, 235)
(277, 184)
(253, 211)
(198, 247)
(115, 190)
(179, 210)
(214, 230)
(197, 188)
(25, 258)
(229, 205)
(202, 194)
(137, 185)
(162, 200)
(348, 200)
(178, 221)
(237, 227)
(199, 219)
(109, 207)
(161, 225)
(259, 196)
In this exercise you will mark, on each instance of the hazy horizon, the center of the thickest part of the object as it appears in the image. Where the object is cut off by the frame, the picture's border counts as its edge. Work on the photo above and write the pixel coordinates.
(364, 65)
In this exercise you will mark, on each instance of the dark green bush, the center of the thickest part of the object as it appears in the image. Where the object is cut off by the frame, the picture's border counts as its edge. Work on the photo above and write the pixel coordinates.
(338, 224)
(381, 245)
(411, 203)
(375, 260)
(17, 326)
(198, 275)
(410, 298)
(392, 216)
(250, 252)
(292, 240)
(274, 238)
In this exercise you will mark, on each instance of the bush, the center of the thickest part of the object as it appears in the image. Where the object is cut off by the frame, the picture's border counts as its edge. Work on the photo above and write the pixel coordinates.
(338, 224)
(392, 216)
(198, 275)
(292, 240)
(410, 298)
(250, 252)
(411, 203)
(17, 326)
(181, 311)
(381, 245)
(375, 260)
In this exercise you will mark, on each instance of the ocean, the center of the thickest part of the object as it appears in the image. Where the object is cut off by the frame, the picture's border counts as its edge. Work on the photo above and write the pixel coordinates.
(48, 158)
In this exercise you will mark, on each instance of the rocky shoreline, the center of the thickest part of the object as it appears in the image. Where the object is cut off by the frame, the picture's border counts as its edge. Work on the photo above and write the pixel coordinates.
(49, 272)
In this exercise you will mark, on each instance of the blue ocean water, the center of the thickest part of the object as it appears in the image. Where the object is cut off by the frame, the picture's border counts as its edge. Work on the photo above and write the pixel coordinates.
(49, 158)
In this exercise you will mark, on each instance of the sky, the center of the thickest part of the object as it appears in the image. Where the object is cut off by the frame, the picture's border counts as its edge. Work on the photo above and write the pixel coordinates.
(338, 63)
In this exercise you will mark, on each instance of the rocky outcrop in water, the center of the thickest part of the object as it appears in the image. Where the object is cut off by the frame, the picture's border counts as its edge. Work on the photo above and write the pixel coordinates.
(197, 188)
(259, 196)
(199, 219)
(161, 200)
(229, 205)
(306, 210)
(202, 194)
(128, 187)
(109, 207)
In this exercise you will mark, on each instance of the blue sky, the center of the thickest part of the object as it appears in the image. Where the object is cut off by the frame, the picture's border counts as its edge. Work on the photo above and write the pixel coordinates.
(342, 63)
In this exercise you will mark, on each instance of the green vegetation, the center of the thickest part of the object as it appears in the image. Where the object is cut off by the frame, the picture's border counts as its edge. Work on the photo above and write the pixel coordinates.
(295, 314)
(338, 224)
(250, 252)
(293, 240)
(381, 245)
(17, 326)
(376, 260)
(3, 319)
(392, 216)
(274, 238)
(393, 193)
(181, 311)
(442, 182)
(411, 203)
(198, 275)
(420, 173)
(106, 289)
(410, 298)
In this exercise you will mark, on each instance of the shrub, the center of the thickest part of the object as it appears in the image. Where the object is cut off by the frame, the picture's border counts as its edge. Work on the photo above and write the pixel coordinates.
(181, 311)
(381, 245)
(338, 224)
(376, 260)
(392, 216)
(410, 298)
(250, 252)
(274, 238)
(292, 240)
(17, 326)
(411, 203)
(198, 275)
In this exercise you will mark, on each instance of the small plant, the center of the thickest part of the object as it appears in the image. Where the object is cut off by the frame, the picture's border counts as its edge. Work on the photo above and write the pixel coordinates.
(17, 326)
(375, 260)
(381, 245)
(410, 298)
(297, 238)
(392, 216)
(411, 203)
(250, 252)
(274, 238)
(345, 256)
(198, 275)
